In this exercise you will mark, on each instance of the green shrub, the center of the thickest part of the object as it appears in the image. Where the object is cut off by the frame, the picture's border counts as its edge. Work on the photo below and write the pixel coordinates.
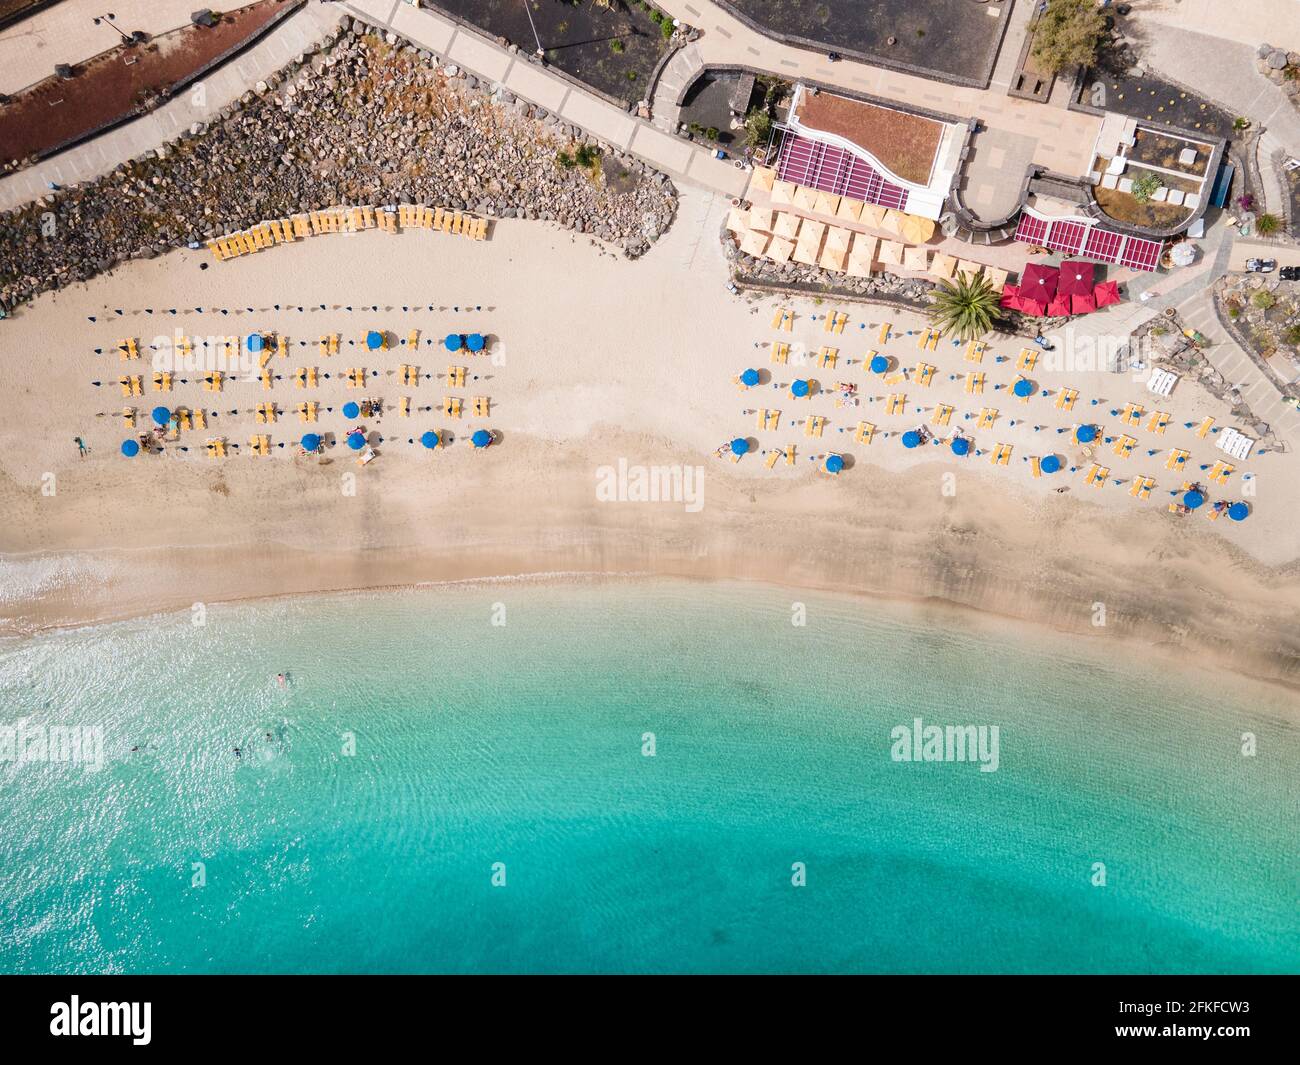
(666, 28)
(1292, 336)
(1144, 187)
(656, 17)
(616, 46)
(1267, 224)
(1263, 299)
(758, 128)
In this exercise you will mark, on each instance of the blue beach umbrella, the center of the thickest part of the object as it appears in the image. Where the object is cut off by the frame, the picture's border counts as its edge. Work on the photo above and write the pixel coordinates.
(1238, 512)
(879, 364)
(162, 415)
(310, 442)
(1086, 434)
(453, 342)
(749, 378)
(1050, 464)
(351, 410)
(1023, 388)
(800, 388)
(481, 438)
(911, 438)
(256, 342)
(740, 446)
(475, 341)
(960, 446)
(356, 441)
(429, 439)
(130, 448)
(834, 463)
(1193, 499)
(374, 340)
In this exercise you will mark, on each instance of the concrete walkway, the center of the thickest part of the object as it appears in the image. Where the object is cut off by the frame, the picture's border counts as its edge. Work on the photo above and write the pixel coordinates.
(544, 88)
(98, 156)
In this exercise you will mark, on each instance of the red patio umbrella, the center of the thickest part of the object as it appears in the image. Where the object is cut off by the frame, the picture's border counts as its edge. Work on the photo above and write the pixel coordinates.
(1083, 304)
(1059, 307)
(1076, 279)
(1011, 297)
(1038, 282)
(1031, 306)
(1106, 293)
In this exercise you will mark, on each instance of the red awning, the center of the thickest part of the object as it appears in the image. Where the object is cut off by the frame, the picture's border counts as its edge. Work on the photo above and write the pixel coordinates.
(1083, 304)
(1011, 297)
(1106, 293)
(1076, 279)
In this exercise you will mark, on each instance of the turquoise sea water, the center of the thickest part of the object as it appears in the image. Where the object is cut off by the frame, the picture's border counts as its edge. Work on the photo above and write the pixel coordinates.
(522, 744)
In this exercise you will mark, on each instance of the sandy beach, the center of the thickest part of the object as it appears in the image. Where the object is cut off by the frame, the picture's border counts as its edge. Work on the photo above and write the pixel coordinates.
(595, 359)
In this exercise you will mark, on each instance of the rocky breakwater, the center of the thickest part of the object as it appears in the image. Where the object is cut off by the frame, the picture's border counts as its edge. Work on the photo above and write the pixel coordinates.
(366, 119)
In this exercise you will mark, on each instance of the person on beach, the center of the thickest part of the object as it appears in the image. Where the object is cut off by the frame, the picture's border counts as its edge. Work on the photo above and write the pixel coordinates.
(82, 450)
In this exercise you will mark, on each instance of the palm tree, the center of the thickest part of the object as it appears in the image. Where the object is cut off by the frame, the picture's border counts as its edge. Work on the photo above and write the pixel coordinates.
(966, 307)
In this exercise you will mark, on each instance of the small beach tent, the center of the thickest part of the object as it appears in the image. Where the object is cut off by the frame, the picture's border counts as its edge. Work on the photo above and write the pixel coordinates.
(1238, 512)
(1075, 279)
(1083, 304)
(787, 225)
(162, 415)
(800, 388)
(351, 410)
(740, 446)
(834, 463)
(1059, 307)
(779, 251)
(960, 446)
(1106, 293)
(754, 243)
(1086, 434)
(911, 438)
(749, 378)
(311, 442)
(255, 342)
(429, 439)
(356, 441)
(453, 342)
(374, 340)
(481, 438)
(130, 448)
(862, 253)
(476, 342)
(1050, 464)
(1193, 499)
(879, 364)
(1023, 388)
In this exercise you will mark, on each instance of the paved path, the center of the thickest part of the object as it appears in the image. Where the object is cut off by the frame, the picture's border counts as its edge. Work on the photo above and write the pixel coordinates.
(1251, 22)
(96, 157)
(544, 88)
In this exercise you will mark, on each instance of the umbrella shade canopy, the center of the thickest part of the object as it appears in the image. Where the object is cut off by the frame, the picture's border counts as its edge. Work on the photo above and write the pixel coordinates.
(1030, 305)
(879, 364)
(162, 415)
(1075, 279)
(1086, 434)
(739, 446)
(1183, 254)
(1011, 297)
(1038, 282)
(255, 342)
(1193, 499)
(475, 341)
(1023, 388)
(374, 340)
(453, 342)
(890, 253)
(1050, 464)
(311, 442)
(754, 243)
(429, 439)
(779, 250)
(356, 441)
(945, 266)
(916, 229)
(834, 463)
(800, 388)
(350, 410)
(1106, 293)
(1083, 304)
(1238, 512)
(960, 446)
(911, 438)
(481, 438)
(749, 378)
(130, 448)
(1059, 307)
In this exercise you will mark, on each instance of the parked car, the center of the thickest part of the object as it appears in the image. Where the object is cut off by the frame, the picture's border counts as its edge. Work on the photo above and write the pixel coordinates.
(1291, 273)
(1260, 266)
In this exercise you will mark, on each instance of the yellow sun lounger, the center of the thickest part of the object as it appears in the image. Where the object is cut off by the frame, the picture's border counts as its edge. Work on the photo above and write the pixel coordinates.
(268, 379)
(1097, 475)
(897, 403)
(281, 346)
(413, 339)
(988, 415)
(974, 383)
(1036, 466)
(216, 448)
(866, 433)
(307, 411)
(925, 374)
(404, 407)
(975, 351)
(162, 381)
(261, 445)
(896, 378)
(1205, 428)
(183, 420)
(1159, 421)
(827, 357)
(836, 321)
(128, 350)
(452, 406)
(456, 376)
(1133, 414)
(300, 377)
(780, 351)
(783, 319)
(929, 340)
(357, 377)
(1002, 454)
(1065, 399)
(482, 407)
(1027, 361)
(1124, 446)
(814, 425)
(1142, 487)
(128, 388)
(410, 375)
(128, 416)
(768, 419)
(1224, 474)
(265, 413)
(772, 457)
(789, 454)
(1177, 459)
(942, 413)
(1213, 513)
(200, 418)
(884, 332)
(212, 382)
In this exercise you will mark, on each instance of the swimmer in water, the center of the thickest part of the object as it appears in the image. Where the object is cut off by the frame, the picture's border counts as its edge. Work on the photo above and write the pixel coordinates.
(238, 753)
(279, 679)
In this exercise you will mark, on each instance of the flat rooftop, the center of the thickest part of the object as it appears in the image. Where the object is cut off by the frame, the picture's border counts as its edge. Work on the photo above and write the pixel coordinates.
(904, 143)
